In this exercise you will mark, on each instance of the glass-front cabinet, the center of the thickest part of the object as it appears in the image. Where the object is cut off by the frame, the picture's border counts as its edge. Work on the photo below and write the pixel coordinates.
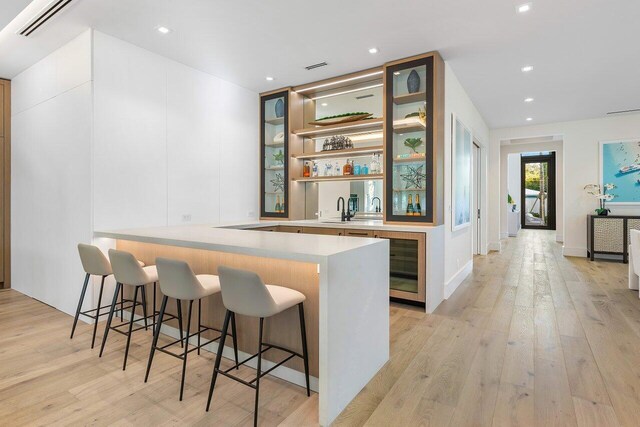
(409, 137)
(274, 155)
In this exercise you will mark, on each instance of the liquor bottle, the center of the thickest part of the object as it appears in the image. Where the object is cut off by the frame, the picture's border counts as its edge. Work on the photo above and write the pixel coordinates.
(306, 170)
(375, 165)
(336, 170)
(418, 208)
(282, 205)
(364, 170)
(314, 169)
(410, 211)
(346, 169)
(278, 206)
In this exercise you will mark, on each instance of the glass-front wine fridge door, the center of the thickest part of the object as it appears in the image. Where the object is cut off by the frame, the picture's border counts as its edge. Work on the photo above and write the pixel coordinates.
(403, 265)
(409, 141)
(274, 155)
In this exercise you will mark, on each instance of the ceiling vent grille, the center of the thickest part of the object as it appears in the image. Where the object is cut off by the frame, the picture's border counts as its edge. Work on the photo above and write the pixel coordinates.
(314, 66)
(624, 111)
(48, 12)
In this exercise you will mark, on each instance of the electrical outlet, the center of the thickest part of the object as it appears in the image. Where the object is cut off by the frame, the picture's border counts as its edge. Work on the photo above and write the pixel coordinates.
(186, 218)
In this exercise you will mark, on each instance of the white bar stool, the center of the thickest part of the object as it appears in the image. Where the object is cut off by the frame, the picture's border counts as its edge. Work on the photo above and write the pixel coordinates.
(127, 271)
(244, 293)
(94, 263)
(178, 281)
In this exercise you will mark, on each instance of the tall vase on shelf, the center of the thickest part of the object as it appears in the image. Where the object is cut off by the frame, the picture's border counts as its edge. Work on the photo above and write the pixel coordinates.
(279, 108)
(413, 82)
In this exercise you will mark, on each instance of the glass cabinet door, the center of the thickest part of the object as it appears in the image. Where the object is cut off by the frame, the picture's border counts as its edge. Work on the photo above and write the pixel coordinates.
(403, 265)
(274, 155)
(409, 141)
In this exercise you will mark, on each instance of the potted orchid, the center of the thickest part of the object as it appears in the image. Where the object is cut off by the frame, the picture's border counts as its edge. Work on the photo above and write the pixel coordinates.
(601, 193)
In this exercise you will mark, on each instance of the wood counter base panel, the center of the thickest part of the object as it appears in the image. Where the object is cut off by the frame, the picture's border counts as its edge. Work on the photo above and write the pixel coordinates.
(282, 329)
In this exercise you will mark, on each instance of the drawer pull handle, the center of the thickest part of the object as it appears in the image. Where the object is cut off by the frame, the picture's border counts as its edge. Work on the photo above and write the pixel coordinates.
(358, 234)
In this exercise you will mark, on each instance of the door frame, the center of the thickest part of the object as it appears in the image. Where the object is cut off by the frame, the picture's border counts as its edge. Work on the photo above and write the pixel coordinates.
(551, 199)
(6, 184)
(476, 176)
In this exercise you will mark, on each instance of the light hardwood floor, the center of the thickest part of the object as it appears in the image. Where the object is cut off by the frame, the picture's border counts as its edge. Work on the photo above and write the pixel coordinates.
(530, 338)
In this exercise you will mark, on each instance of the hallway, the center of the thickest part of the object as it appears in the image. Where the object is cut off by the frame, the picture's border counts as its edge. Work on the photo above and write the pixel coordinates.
(531, 338)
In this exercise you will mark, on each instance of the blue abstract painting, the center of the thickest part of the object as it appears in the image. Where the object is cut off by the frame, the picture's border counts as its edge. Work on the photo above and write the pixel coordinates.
(620, 165)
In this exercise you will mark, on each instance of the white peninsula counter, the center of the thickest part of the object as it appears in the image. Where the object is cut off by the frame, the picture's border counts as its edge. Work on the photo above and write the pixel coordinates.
(345, 280)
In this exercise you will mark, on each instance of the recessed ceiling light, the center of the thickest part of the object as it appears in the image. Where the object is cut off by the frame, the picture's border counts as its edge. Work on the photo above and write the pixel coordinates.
(528, 100)
(324, 104)
(373, 50)
(269, 79)
(529, 119)
(527, 68)
(163, 30)
(524, 8)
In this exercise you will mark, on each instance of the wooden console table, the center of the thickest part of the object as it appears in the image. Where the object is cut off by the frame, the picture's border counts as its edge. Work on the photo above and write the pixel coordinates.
(609, 235)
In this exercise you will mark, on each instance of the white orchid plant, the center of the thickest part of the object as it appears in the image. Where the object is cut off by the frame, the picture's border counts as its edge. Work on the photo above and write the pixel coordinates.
(601, 193)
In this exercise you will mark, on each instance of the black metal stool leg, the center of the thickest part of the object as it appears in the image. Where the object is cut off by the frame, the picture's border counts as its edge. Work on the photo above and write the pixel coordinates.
(186, 350)
(255, 413)
(95, 325)
(110, 318)
(143, 295)
(305, 354)
(179, 304)
(216, 367)
(235, 338)
(122, 303)
(133, 312)
(84, 291)
(154, 303)
(199, 322)
(156, 335)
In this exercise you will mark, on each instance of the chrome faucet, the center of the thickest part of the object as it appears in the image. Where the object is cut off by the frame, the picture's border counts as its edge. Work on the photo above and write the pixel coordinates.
(344, 216)
(378, 208)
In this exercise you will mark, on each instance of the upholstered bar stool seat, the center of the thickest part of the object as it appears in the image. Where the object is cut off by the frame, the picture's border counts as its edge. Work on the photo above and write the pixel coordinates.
(177, 280)
(94, 263)
(127, 271)
(243, 292)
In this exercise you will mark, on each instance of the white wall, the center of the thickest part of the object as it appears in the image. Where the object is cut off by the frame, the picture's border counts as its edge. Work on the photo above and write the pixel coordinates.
(458, 245)
(108, 135)
(581, 153)
(513, 178)
(171, 142)
(51, 174)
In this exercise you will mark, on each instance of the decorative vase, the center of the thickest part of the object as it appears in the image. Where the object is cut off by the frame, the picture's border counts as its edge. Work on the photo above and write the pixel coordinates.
(413, 82)
(279, 108)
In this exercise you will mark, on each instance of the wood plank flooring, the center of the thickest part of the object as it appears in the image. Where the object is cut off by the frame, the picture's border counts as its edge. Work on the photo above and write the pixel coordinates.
(531, 338)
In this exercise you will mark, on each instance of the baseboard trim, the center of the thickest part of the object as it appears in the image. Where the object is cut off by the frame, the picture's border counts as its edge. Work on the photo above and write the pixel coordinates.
(282, 372)
(577, 252)
(451, 286)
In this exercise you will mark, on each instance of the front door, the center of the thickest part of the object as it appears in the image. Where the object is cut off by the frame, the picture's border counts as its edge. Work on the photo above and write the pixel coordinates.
(538, 176)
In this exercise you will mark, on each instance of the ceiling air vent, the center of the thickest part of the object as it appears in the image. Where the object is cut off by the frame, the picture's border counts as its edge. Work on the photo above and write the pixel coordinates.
(48, 12)
(314, 66)
(623, 111)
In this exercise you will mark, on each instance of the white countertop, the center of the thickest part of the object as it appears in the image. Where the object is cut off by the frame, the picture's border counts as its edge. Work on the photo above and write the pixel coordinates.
(336, 223)
(293, 246)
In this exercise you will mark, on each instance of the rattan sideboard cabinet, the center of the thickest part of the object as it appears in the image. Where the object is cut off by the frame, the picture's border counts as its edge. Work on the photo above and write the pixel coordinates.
(609, 235)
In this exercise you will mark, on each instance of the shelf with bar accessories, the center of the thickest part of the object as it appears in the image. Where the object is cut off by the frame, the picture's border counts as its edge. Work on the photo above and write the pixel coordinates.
(340, 128)
(414, 140)
(367, 177)
(274, 155)
(351, 152)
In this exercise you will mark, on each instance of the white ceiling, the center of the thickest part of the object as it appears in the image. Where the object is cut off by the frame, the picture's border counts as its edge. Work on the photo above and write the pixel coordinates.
(585, 52)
